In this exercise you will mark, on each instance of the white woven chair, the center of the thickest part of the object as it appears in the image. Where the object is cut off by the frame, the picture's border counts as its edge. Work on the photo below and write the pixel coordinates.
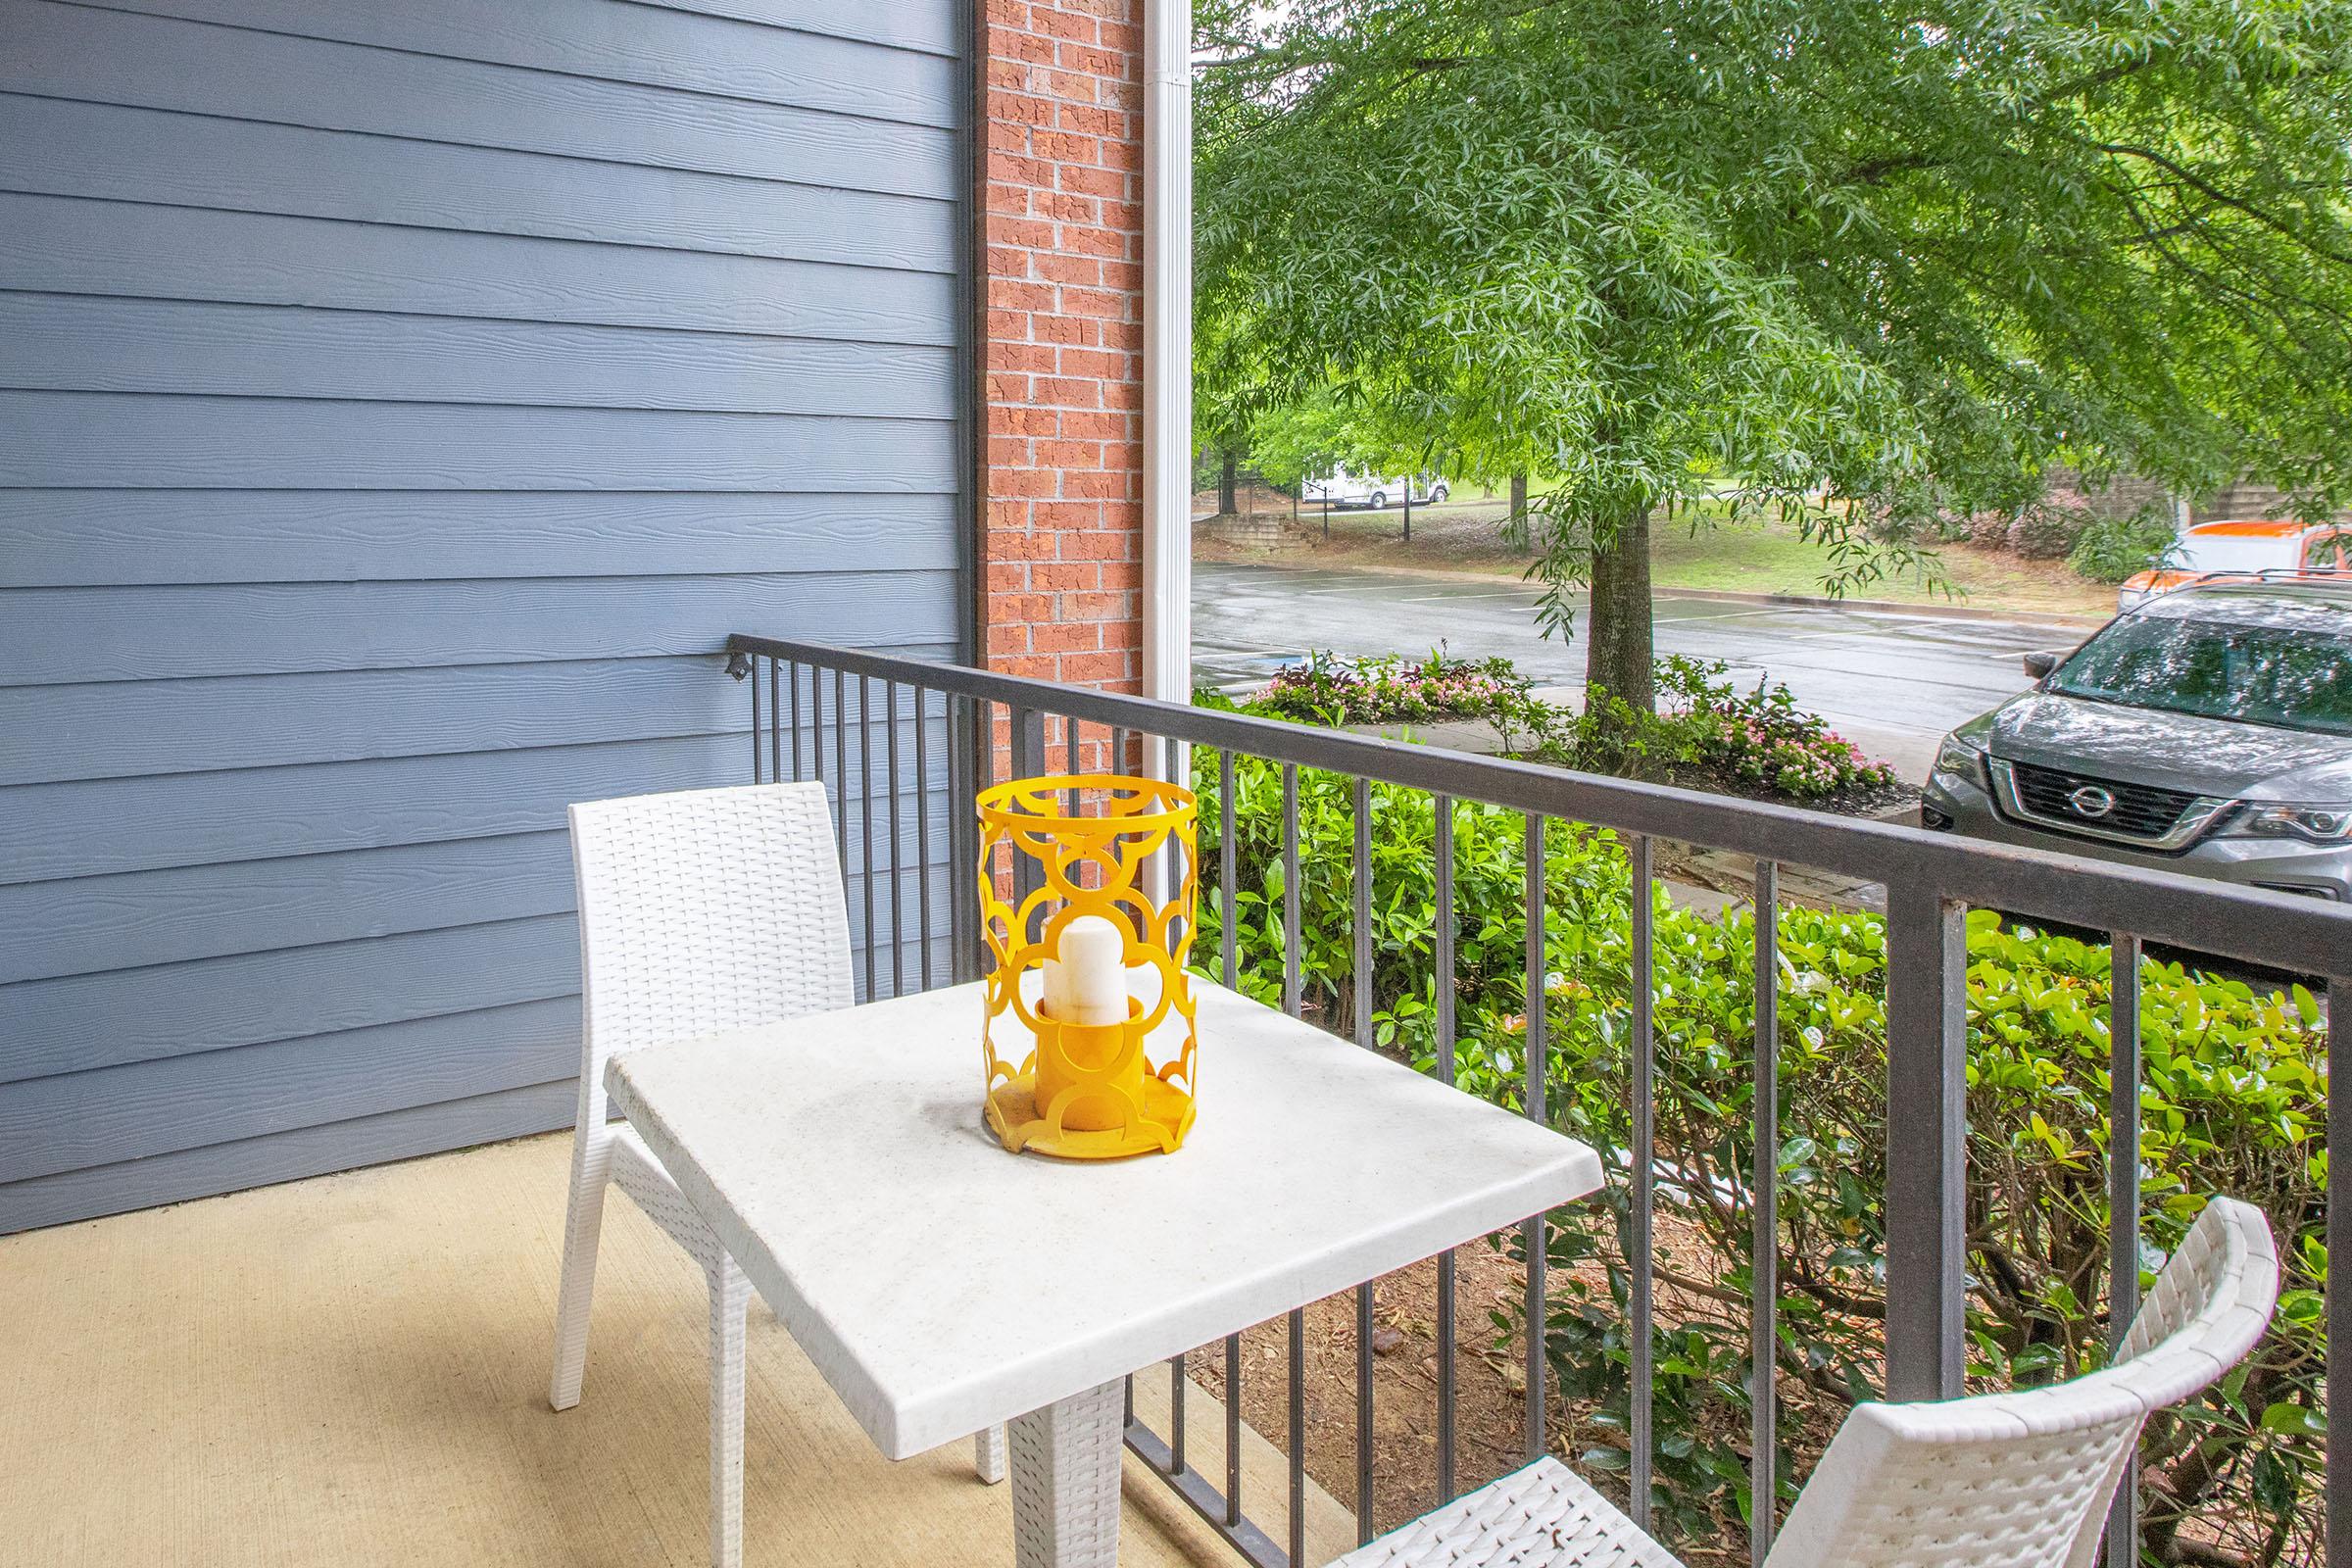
(2002, 1481)
(700, 910)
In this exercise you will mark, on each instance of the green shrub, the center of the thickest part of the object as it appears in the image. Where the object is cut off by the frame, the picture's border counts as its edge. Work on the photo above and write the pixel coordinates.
(2112, 549)
(1327, 689)
(2232, 1100)
(1704, 731)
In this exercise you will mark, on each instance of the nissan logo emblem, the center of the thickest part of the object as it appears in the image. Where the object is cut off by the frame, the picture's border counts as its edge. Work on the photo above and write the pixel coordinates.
(2092, 801)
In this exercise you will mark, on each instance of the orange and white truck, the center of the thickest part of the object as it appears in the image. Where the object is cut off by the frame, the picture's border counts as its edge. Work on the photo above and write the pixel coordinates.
(2243, 547)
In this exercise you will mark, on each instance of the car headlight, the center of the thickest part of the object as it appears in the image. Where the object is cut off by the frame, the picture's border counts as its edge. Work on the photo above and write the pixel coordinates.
(1958, 755)
(2320, 825)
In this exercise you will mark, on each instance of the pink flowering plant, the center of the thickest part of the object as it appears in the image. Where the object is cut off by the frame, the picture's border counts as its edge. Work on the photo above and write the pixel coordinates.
(1707, 733)
(1327, 689)
(1761, 737)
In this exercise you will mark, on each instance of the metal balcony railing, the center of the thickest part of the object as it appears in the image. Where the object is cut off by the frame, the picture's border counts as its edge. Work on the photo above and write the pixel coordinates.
(903, 743)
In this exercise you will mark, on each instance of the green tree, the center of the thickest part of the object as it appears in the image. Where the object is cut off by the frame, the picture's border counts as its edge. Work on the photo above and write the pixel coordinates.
(1860, 263)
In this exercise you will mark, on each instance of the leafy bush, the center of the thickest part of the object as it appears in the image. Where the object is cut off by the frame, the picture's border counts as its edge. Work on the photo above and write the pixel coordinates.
(2233, 1100)
(1704, 732)
(2112, 549)
(2047, 528)
(1762, 737)
(1327, 689)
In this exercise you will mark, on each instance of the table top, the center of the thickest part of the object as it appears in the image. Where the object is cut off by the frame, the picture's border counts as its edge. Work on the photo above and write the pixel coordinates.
(942, 1284)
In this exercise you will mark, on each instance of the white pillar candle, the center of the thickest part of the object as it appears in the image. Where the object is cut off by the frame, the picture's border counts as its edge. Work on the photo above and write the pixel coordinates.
(1092, 970)
(1056, 992)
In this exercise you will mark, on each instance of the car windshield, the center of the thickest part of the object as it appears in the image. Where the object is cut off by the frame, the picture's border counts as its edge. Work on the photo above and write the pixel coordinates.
(2296, 676)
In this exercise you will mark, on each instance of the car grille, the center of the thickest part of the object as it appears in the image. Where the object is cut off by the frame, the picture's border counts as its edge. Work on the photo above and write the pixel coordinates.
(2140, 810)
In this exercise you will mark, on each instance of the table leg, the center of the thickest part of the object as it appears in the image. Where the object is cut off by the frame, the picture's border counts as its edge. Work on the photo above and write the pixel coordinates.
(1065, 1481)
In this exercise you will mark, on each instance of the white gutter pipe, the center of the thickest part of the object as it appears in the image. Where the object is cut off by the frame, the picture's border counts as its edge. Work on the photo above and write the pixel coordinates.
(1167, 575)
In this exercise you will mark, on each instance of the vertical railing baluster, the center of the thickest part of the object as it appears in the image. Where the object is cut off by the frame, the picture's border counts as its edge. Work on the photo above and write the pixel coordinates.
(793, 688)
(775, 721)
(1362, 888)
(1537, 1262)
(1229, 871)
(865, 817)
(1290, 977)
(1118, 751)
(1176, 1413)
(1026, 731)
(1642, 1155)
(1165, 866)
(841, 772)
(1170, 859)
(1233, 1429)
(977, 747)
(2122, 1207)
(756, 751)
(2339, 1457)
(922, 838)
(1028, 735)
(816, 733)
(890, 770)
(1764, 1214)
(1444, 850)
(1297, 1435)
(1926, 1095)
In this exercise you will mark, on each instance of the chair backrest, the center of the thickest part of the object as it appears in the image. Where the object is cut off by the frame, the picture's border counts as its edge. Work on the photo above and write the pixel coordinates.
(705, 909)
(2022, 1479)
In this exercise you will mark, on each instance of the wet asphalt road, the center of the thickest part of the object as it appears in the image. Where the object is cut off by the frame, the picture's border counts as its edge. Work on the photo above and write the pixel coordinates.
(1893, 681)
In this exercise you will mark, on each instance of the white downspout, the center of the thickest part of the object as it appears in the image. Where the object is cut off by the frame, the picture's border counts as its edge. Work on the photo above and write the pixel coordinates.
(1167, 575)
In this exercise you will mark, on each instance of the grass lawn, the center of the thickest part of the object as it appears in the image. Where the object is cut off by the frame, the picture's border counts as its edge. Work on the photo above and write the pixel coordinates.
(1756, 557)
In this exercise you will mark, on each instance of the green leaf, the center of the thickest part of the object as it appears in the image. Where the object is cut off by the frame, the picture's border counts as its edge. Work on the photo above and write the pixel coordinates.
(2294, 1421)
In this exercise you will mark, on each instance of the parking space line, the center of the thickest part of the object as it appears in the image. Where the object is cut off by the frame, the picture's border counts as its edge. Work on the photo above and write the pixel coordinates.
(1427, 599)
(1732, 615)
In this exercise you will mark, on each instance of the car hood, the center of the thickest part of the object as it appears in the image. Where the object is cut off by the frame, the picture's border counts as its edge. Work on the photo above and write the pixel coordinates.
(2171, 750)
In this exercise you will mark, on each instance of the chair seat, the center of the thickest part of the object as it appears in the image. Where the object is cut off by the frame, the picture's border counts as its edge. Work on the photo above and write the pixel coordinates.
(1541, 1516)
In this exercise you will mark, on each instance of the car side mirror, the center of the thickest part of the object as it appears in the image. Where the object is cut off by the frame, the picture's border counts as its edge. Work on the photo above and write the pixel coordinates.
(2041, 662)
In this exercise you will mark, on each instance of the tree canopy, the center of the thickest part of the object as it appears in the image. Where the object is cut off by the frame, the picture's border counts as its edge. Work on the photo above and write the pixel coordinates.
(1906, 255)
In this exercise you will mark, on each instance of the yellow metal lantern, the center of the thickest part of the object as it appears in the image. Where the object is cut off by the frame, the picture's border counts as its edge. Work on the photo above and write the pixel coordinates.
(1090, 967)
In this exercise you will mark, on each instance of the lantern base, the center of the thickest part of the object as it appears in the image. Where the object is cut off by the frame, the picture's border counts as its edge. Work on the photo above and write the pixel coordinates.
(1012, 1115)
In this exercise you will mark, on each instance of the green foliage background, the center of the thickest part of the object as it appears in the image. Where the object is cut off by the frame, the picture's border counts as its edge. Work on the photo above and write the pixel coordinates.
(2232, 1100)
(1908, 255)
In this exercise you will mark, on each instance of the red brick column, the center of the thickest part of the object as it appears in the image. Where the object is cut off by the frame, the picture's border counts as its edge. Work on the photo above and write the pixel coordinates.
(1060, 349)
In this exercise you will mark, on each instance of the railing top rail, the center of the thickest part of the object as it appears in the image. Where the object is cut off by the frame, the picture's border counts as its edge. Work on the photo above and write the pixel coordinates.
(2276, 929)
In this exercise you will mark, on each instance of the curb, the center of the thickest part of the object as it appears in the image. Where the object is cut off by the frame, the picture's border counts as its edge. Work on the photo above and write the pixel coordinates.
(1895, 606)
(2050, 620)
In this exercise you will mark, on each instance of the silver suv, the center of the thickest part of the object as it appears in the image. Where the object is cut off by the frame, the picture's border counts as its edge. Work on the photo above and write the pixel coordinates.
(2209, 731)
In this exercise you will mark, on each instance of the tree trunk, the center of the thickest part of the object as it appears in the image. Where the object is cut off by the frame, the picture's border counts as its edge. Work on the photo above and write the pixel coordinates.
(1617, 626)
(1519, 507)
(1225, 476)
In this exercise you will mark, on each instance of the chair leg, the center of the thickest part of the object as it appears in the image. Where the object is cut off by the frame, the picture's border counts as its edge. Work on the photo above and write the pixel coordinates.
(730, 1294)
(987, 1454)
(583, 1221)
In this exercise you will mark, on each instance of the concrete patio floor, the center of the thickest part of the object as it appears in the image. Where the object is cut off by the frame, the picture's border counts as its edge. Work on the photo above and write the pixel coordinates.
(352, 1370)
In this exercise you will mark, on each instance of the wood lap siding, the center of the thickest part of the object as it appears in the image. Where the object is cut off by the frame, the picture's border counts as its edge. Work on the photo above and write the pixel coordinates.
(400, 401)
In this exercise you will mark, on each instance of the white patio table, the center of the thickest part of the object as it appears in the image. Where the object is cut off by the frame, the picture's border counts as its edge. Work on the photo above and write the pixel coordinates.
(943, 1286)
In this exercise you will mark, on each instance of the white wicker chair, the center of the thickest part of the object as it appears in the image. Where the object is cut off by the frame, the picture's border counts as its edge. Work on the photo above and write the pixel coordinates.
(2002, 1481)
(700, 910)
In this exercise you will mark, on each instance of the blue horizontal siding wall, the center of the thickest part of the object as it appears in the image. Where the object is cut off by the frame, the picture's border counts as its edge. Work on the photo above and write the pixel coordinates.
(400, 401)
